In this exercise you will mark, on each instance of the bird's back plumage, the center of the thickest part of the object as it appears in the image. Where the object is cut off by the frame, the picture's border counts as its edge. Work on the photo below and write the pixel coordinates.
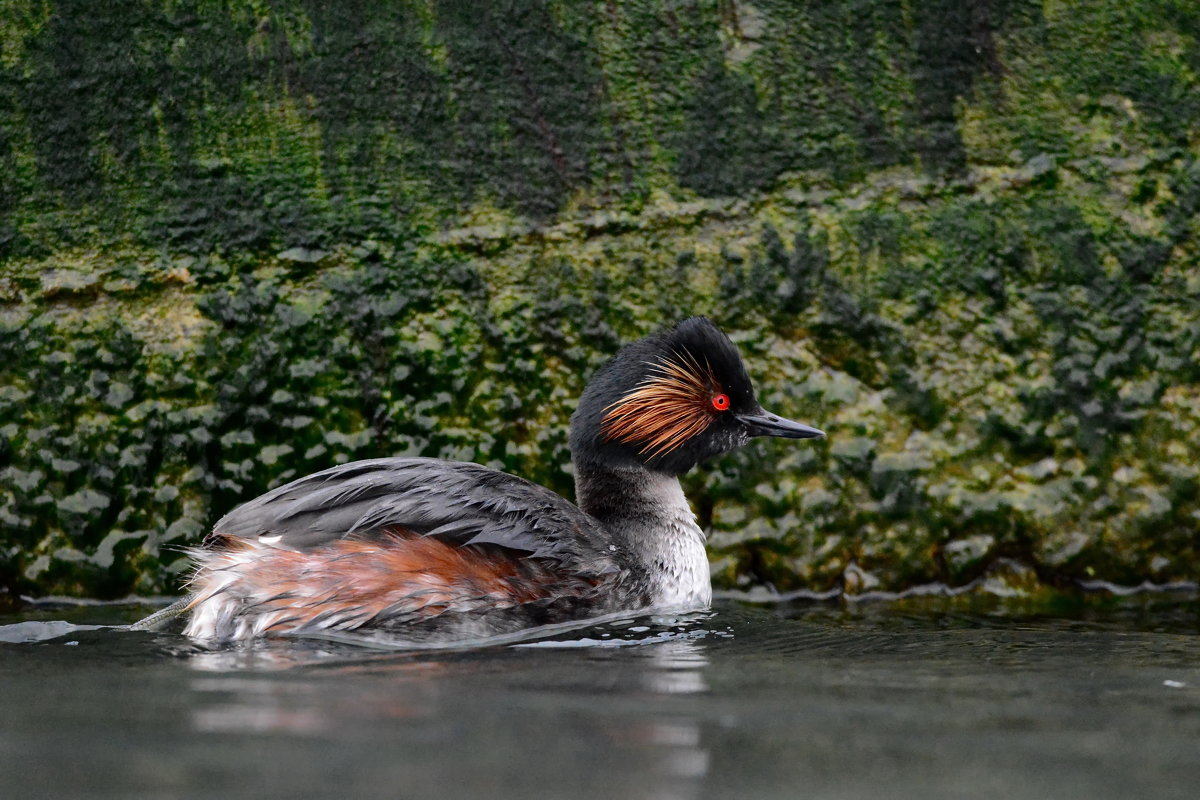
(391, 541)
(458, 502)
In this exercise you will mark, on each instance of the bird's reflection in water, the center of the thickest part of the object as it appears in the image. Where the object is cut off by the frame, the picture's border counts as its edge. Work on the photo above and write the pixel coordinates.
(675, 740)
(678, 668)
(304, 702)
(615, 704)
(265, 714)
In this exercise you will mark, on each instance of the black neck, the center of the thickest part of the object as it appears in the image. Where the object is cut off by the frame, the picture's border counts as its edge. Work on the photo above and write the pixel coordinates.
(605, 493)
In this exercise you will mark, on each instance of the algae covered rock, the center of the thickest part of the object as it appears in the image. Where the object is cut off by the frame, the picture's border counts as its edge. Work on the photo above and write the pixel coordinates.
(241, 243)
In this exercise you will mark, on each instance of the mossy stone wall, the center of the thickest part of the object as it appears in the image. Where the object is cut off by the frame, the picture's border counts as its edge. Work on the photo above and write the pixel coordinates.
(240, 242)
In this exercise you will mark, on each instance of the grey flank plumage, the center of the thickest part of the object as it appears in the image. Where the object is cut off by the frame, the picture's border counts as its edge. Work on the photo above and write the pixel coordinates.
(457, 502)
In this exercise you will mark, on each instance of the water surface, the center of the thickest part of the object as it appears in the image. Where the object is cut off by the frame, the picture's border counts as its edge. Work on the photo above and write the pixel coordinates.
(803, 701)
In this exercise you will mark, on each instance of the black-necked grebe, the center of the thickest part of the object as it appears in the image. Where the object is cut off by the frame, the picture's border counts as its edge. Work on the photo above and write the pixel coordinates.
(421, 545)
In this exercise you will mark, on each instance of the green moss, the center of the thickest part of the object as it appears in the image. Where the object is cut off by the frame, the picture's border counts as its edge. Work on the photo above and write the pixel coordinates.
(238, 245)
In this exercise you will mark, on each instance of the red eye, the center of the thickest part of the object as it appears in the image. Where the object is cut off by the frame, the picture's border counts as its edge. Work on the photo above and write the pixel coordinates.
(721, 402)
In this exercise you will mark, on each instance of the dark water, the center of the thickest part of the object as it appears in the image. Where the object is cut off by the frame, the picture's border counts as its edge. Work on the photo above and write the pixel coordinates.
(810, 701)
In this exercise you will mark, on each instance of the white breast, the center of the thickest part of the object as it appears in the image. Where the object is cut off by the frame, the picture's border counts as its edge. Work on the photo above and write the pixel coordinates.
(673, 549)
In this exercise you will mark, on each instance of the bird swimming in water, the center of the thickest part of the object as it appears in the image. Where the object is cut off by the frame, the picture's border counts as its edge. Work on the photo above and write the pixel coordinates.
(419, 547)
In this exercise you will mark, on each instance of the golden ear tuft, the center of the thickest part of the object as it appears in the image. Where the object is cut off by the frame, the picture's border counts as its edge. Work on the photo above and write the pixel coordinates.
(673, 404)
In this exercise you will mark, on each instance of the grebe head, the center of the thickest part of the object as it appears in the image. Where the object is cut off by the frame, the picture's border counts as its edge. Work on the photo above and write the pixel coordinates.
(670, 401)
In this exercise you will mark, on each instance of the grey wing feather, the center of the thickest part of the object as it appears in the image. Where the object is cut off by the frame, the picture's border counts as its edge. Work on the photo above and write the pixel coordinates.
(454, 501)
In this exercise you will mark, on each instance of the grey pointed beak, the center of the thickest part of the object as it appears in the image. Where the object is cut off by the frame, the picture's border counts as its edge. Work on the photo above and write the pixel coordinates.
(764, 423)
